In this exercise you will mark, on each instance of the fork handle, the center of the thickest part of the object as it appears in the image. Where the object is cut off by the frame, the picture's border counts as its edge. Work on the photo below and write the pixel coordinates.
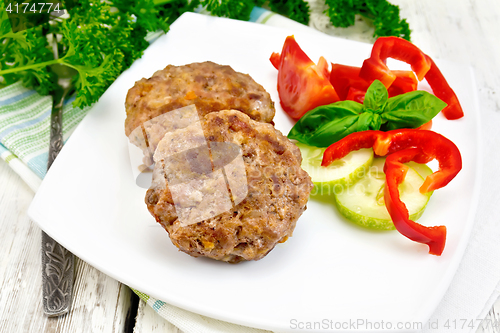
(57, 262)
(57, 277)
(56, 132)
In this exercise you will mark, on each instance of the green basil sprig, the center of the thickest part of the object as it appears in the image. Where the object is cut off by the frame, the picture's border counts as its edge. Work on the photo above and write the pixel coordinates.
(327, 124)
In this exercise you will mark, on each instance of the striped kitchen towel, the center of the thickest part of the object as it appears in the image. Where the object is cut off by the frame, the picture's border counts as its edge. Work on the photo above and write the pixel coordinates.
(189, 322)
(25, 130)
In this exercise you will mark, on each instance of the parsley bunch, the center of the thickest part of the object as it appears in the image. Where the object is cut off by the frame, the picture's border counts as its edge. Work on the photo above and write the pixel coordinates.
(99, 40)
(24, 49)
(384, 15)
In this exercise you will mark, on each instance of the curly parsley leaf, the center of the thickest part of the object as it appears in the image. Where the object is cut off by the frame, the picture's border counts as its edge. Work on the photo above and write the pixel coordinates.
(384, 15)
(239, 10)
(97, 59)
(297, 10)
(42, 79)
(100, 40)
(24, 49)
(172, 9)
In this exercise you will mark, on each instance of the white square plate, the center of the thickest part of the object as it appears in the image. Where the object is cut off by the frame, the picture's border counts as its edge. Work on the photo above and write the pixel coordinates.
(330, 270)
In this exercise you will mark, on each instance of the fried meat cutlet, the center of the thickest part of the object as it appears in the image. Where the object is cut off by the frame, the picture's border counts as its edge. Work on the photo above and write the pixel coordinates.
(207, 85)
(228, 187)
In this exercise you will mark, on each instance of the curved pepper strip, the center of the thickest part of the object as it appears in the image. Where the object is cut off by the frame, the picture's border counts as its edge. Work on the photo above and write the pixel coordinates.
(344, 77)
(395, 172)
(443, 91)
(435, 146)
(350, 86)
(397, 48)
(405, 82)
(375, 67)
(403, 145)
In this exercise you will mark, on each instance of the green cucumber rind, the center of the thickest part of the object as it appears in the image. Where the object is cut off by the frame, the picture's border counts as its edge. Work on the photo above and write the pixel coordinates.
(372, 222)
(336, 184)
(342, 183)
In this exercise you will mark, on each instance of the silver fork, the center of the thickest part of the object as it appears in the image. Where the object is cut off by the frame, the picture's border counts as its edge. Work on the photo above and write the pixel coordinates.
(57, 262)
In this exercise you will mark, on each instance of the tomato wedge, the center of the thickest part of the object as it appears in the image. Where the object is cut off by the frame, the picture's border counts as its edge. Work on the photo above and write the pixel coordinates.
(344, 78)
(275, 60)
(302, 85)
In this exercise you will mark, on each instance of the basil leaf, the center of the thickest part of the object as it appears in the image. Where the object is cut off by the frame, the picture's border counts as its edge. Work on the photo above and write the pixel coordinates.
(364, 121)
(376, 96)
(410, 110)
(376, 121)
(326, 124)
(330, 132)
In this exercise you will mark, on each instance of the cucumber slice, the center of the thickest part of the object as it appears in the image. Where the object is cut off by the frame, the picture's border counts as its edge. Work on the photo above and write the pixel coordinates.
(363, 202)
(422, 169)
(339, 174)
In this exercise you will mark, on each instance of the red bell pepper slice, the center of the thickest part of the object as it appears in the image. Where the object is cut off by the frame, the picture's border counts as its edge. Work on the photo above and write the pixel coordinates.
(405, 81)
(435, 146)
(397, 48)
(395, 172)
(357, 141)
(349, 85)
(443, 91)
(375, 67)
(428, 146)
(344, 77)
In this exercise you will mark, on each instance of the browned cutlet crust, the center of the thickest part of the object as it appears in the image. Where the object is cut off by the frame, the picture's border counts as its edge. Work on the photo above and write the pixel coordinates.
(209, 86)
(278, 190)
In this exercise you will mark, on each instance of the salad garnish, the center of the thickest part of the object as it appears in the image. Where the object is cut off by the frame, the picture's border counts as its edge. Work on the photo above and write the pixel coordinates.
(402, 146)
(329, 123)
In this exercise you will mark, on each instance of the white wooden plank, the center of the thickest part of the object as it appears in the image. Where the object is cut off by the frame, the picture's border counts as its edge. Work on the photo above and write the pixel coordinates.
(100, 303)
(491, 324)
